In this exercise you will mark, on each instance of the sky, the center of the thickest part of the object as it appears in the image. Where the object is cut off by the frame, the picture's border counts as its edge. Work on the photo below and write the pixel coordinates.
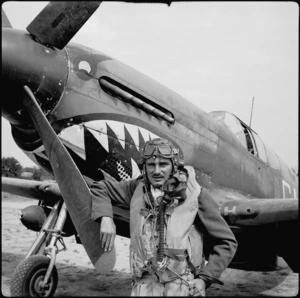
(218, 55)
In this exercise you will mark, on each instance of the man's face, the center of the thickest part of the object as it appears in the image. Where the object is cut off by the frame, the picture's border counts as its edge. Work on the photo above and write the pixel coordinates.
(158, 170)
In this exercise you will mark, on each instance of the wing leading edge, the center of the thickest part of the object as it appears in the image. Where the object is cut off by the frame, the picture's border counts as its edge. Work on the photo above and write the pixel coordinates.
(32, 189)
(253, 212)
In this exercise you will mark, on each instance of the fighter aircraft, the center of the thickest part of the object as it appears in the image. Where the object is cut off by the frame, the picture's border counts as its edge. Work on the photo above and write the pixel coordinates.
(83, 116)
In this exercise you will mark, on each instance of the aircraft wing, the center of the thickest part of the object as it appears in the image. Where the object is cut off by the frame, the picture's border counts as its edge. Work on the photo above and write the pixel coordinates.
(46, 190)
(237, 210)
(253, 212)
(32, 189)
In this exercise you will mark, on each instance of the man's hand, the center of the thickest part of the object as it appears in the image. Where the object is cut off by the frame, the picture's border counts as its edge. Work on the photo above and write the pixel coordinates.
(107, 233)
(199, 289)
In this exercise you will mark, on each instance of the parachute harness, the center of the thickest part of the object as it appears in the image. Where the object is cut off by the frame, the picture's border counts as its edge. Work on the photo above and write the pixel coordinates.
(174, 194)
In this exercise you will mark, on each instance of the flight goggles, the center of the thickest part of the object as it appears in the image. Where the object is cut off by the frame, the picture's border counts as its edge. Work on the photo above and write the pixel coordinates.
(163, 150)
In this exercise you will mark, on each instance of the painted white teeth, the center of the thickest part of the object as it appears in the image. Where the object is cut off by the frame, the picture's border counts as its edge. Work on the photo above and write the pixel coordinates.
(98, 129)
(73, 137)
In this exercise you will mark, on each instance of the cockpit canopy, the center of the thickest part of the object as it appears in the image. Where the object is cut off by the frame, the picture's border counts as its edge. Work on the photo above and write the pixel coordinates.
(248, 138)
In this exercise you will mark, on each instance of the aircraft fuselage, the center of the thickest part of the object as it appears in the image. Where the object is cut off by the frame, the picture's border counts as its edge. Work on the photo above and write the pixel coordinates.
(78, 87)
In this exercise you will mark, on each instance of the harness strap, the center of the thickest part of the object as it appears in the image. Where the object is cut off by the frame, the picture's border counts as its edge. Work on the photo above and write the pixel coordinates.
(176, 254)
(191, 265)
(180, 255)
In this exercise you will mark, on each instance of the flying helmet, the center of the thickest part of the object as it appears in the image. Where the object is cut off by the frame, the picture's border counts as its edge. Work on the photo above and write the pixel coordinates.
(162, 148)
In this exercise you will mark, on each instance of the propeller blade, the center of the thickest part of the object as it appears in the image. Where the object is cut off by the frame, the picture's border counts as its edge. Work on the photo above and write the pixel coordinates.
(59, 21)
(5, 21)
(74, 189)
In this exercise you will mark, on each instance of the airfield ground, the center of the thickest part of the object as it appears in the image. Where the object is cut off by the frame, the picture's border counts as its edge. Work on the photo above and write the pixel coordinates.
(78, 278)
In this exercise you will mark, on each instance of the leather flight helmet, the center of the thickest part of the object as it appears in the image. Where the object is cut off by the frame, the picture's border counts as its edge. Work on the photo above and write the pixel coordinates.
(160, 147)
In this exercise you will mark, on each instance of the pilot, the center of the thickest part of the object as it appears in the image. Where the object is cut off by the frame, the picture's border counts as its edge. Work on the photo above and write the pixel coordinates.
(169, 214)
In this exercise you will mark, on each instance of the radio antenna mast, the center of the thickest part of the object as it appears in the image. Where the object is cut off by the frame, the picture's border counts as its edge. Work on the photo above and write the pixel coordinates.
(251, 111)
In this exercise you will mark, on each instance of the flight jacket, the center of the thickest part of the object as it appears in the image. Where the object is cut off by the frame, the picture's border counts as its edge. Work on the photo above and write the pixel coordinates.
(222, 241)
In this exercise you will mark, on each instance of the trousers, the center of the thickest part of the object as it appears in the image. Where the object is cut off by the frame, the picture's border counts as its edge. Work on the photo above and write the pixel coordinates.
(150, 286)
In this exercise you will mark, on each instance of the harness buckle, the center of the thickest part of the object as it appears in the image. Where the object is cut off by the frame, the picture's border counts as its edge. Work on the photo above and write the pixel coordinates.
(161, 266)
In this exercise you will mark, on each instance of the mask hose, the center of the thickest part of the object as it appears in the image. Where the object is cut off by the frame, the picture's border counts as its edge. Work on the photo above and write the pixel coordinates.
(161, 230)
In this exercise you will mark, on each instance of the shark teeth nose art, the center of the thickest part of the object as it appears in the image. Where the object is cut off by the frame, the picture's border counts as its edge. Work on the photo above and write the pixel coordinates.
(122, 143)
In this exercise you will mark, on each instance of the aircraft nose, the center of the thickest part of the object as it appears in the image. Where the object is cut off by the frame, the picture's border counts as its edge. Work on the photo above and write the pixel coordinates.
(26, 62)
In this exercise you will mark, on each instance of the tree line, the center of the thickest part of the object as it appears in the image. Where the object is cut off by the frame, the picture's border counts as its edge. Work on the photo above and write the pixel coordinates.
(11, 167)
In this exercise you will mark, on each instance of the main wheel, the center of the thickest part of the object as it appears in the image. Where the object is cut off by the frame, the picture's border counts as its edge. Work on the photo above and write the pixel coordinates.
(28, 276)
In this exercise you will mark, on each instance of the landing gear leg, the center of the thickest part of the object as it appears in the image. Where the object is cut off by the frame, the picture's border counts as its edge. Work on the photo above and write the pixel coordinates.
(36, 275)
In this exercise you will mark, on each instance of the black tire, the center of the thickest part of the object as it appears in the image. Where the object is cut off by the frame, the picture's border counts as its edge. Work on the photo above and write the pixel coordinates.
(27, 276)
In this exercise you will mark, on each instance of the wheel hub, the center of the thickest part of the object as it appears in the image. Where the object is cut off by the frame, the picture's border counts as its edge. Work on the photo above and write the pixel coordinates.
(39, 286)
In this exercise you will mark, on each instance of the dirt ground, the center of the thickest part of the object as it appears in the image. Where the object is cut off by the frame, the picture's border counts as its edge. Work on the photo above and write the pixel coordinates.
(78, 278)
